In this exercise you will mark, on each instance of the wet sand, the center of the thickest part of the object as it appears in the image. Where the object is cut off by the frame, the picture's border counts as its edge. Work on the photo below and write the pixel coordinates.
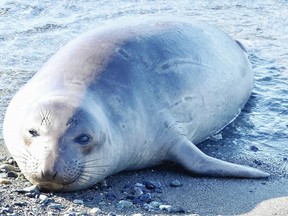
(197, 195)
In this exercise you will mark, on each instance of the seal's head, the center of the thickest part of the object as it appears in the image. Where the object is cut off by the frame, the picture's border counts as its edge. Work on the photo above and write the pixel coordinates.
(65, 145)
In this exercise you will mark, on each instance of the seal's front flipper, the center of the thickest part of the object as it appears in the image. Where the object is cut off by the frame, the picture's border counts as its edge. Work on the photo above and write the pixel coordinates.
(189, 156)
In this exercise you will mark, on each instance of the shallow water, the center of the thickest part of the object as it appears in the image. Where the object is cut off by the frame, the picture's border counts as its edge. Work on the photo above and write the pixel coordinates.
(31, 31)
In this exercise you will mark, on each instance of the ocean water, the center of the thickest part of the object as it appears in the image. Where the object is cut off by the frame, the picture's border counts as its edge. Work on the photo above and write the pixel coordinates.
(31, 31)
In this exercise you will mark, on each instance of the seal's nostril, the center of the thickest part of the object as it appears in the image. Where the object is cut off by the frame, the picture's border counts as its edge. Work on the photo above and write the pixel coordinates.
(48, 175)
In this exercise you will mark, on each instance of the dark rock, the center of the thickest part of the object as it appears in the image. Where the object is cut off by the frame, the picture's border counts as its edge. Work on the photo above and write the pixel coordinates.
(152, 184)
(12, 174)
(254, 148)
(20, 204)
(257, 162)
(146, 198)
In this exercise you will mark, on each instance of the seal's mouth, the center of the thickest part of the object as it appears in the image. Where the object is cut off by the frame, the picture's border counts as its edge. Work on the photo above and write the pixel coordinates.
(49, 186)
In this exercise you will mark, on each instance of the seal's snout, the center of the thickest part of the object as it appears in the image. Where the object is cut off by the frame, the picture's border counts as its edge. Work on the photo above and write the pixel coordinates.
(48, 175)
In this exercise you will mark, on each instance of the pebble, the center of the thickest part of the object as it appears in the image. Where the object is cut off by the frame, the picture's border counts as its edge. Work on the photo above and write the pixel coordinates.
(254, 148)
(11, 161)
(32, 189)
(216, 137)
(95, 211)
(137, 191)
(155, 204)
(8, 167)
(152, 184)
(5, 181)
(20, 204)
(257, 162)
(146, 198)
(165, 207)
(43, 199)
(175, 183)
(12, 174)
(125, 204)
(56, 206)
(139, 185)
(78, 201)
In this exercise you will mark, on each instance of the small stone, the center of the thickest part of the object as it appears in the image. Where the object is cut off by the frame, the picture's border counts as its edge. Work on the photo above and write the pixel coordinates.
(139, 185)
(125, 204)
(32, 189)
(11, 161)
(111, 214)
(149, 208)
(257, 162)
(95, 211)
(152, 184)
(43, 199)
(5, 181)
(56, 206)
(216, 137)
(165, 207)
(137, 191)
(175, 183)
(254, 148)
(155, 204)
(138, 214)
(145, 198)
(12, 174)
(78, 201)
(20, 204)
(8, 167)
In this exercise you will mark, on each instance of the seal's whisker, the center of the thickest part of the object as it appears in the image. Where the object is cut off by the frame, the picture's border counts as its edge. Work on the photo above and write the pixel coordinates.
(96, 166)
(89, 163)
(91, 160)
(20, 158)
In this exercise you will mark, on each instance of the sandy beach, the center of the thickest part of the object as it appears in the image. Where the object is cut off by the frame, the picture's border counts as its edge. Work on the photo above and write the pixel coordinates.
(197, 195)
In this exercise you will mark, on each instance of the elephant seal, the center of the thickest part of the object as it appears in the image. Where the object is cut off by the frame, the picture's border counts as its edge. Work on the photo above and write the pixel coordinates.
(128, 96)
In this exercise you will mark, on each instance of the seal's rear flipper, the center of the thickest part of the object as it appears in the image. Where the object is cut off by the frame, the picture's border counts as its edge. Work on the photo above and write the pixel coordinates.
(189, 156)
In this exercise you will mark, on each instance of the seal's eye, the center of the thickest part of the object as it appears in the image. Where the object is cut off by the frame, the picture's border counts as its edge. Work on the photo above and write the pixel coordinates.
(83, 139)
(33, 133)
